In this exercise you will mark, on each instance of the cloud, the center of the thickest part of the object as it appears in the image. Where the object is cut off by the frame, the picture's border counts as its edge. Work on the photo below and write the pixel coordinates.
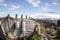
(55, 2)
(3, 4)
(46, 7)
(55, 16)
(34, 3)
(2, 1)
(2, 13)
(13, 7)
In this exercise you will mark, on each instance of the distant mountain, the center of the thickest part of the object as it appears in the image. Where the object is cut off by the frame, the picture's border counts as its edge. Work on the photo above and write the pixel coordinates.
(44, 19)
(46, 16)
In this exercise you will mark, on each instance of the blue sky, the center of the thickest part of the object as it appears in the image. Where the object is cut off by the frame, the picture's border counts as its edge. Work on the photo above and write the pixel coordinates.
(28, 7)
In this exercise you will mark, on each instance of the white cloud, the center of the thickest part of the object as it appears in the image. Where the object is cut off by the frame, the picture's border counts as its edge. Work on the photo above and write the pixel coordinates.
(2, 14)
(2, 1)
(55, 16)
(46, 7)
(13, 7)
(55, 2)
(3, 4)
(34, 3)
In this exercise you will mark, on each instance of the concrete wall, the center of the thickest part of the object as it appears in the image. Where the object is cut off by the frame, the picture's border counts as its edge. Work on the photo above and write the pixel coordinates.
(18, 27)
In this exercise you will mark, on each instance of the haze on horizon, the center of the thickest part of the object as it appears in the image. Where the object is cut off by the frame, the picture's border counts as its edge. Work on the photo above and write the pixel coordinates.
(29, 7)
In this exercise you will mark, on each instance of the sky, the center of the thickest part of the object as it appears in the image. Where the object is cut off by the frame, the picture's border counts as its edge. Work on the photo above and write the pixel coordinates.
(29, 7)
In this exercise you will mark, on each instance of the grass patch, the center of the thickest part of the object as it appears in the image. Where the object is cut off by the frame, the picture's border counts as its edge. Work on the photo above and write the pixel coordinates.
(34, 37)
